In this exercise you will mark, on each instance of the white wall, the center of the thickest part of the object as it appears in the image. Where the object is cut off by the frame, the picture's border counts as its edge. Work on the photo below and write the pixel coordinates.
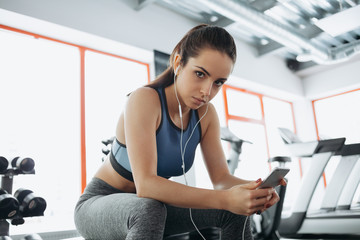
(153, 27)
(336, 80)
(269, 71)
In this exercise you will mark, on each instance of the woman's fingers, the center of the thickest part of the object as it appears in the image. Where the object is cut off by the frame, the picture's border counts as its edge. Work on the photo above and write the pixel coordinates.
(283, 182)
(265, 200)
(252, 185)
(247, 199)
(273, 200)
(261, 193)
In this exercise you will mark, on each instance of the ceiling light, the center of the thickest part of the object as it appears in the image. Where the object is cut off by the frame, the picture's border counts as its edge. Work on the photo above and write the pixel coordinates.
(304, 57)
(214, 18)
(314, 20)
(264, 41)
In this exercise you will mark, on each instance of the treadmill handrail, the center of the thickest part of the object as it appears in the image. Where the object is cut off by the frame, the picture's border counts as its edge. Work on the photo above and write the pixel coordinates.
(330, 145)
(349, 150)
(308, 149)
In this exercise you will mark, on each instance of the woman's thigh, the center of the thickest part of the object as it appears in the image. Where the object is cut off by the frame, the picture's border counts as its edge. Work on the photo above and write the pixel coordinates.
(119, 216)
(104, 217)
(231, 225)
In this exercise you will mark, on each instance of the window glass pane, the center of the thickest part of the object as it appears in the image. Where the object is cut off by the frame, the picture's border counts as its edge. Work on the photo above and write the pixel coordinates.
(253, 159)
(277, 114)
(40, 105)
(339, 116)
(243, 104)
(107, 82)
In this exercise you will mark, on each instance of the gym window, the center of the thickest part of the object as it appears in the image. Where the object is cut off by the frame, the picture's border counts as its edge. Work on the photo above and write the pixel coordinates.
(253, 117)
(256, 117)
(108, 80)
(59, 100)
(338, 116)
(40, 119)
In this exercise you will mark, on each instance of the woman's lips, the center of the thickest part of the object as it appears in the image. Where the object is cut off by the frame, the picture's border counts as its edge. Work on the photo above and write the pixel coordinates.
(199, 101)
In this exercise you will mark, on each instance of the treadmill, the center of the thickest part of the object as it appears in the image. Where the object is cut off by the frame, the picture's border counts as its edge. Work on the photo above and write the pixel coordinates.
(335, 216)
(352, 184)
(296, 223)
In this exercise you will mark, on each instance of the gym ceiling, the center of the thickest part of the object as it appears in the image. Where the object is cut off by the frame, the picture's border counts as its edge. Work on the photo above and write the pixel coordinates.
(307, 34)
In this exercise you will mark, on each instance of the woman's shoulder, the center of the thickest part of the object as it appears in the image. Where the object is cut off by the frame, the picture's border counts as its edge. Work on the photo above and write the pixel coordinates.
(146, 93)
(209, 118)
(146, 96)
(207, 109)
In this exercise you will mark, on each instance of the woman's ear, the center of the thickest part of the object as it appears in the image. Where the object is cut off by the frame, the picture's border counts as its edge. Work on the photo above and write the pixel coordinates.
(176, 63)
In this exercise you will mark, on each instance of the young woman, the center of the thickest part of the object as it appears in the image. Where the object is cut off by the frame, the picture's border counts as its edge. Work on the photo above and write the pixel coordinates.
(131, 197)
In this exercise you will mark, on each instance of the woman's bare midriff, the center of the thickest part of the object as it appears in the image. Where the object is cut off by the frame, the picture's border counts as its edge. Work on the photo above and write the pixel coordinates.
(111, 177)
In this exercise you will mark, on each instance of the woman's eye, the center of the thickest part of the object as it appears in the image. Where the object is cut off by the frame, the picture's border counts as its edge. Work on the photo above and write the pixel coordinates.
(219, 82)
(200, 74)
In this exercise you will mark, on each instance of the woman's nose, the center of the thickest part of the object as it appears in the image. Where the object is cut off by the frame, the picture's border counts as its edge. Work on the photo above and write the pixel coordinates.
(206, 88)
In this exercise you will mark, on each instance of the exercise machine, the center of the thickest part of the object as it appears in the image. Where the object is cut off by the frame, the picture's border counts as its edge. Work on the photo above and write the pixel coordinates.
(236, 147)
(329, 221)
(353, 180)
(333, 219)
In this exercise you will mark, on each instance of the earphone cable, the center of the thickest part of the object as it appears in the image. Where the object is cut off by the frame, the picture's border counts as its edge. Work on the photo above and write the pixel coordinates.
(182, 152)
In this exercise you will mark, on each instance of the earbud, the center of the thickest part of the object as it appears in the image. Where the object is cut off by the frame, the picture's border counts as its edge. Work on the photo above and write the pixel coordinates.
(180, 111)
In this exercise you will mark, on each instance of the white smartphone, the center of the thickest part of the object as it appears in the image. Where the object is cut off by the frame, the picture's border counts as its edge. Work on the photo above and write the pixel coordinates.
(274, 177)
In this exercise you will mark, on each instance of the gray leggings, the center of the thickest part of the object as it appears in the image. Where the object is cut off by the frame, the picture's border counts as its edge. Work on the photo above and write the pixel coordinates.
(104, 212)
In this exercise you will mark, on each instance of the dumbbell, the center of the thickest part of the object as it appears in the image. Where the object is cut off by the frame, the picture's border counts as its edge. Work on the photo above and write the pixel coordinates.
(106, 150)
(30, 204)
(26, 165)
(4, 163)
(108, 141)
(9, 205)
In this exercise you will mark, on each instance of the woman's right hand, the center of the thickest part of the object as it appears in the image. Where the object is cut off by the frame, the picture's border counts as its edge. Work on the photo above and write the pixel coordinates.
(246, 199)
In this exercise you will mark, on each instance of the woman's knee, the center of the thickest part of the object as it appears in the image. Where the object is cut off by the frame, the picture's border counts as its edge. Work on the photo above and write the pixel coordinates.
(231, 219)
(149, 220)
(233, 225)
(151, 210)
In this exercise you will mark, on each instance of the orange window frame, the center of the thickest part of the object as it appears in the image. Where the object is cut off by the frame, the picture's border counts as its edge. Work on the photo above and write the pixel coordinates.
(82, 50)
(315, 118)
(228, 116)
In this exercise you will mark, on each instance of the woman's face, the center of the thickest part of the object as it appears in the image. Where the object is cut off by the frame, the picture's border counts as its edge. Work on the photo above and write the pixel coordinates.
(202, 77)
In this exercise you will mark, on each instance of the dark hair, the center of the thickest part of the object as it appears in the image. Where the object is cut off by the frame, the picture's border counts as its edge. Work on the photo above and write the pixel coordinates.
(198, 38)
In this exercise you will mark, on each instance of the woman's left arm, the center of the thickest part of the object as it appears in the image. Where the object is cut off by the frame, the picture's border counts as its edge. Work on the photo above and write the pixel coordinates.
(213, 153)
(215, 159)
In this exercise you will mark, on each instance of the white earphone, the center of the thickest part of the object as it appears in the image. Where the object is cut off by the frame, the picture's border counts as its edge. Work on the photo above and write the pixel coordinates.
(180, 111)
(183, 149)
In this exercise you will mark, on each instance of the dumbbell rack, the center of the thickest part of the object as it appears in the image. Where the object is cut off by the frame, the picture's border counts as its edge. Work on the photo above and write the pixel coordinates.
(7, 184)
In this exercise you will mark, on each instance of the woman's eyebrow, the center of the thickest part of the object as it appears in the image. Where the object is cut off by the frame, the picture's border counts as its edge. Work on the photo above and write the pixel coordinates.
(209, 73)
(204, 70)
